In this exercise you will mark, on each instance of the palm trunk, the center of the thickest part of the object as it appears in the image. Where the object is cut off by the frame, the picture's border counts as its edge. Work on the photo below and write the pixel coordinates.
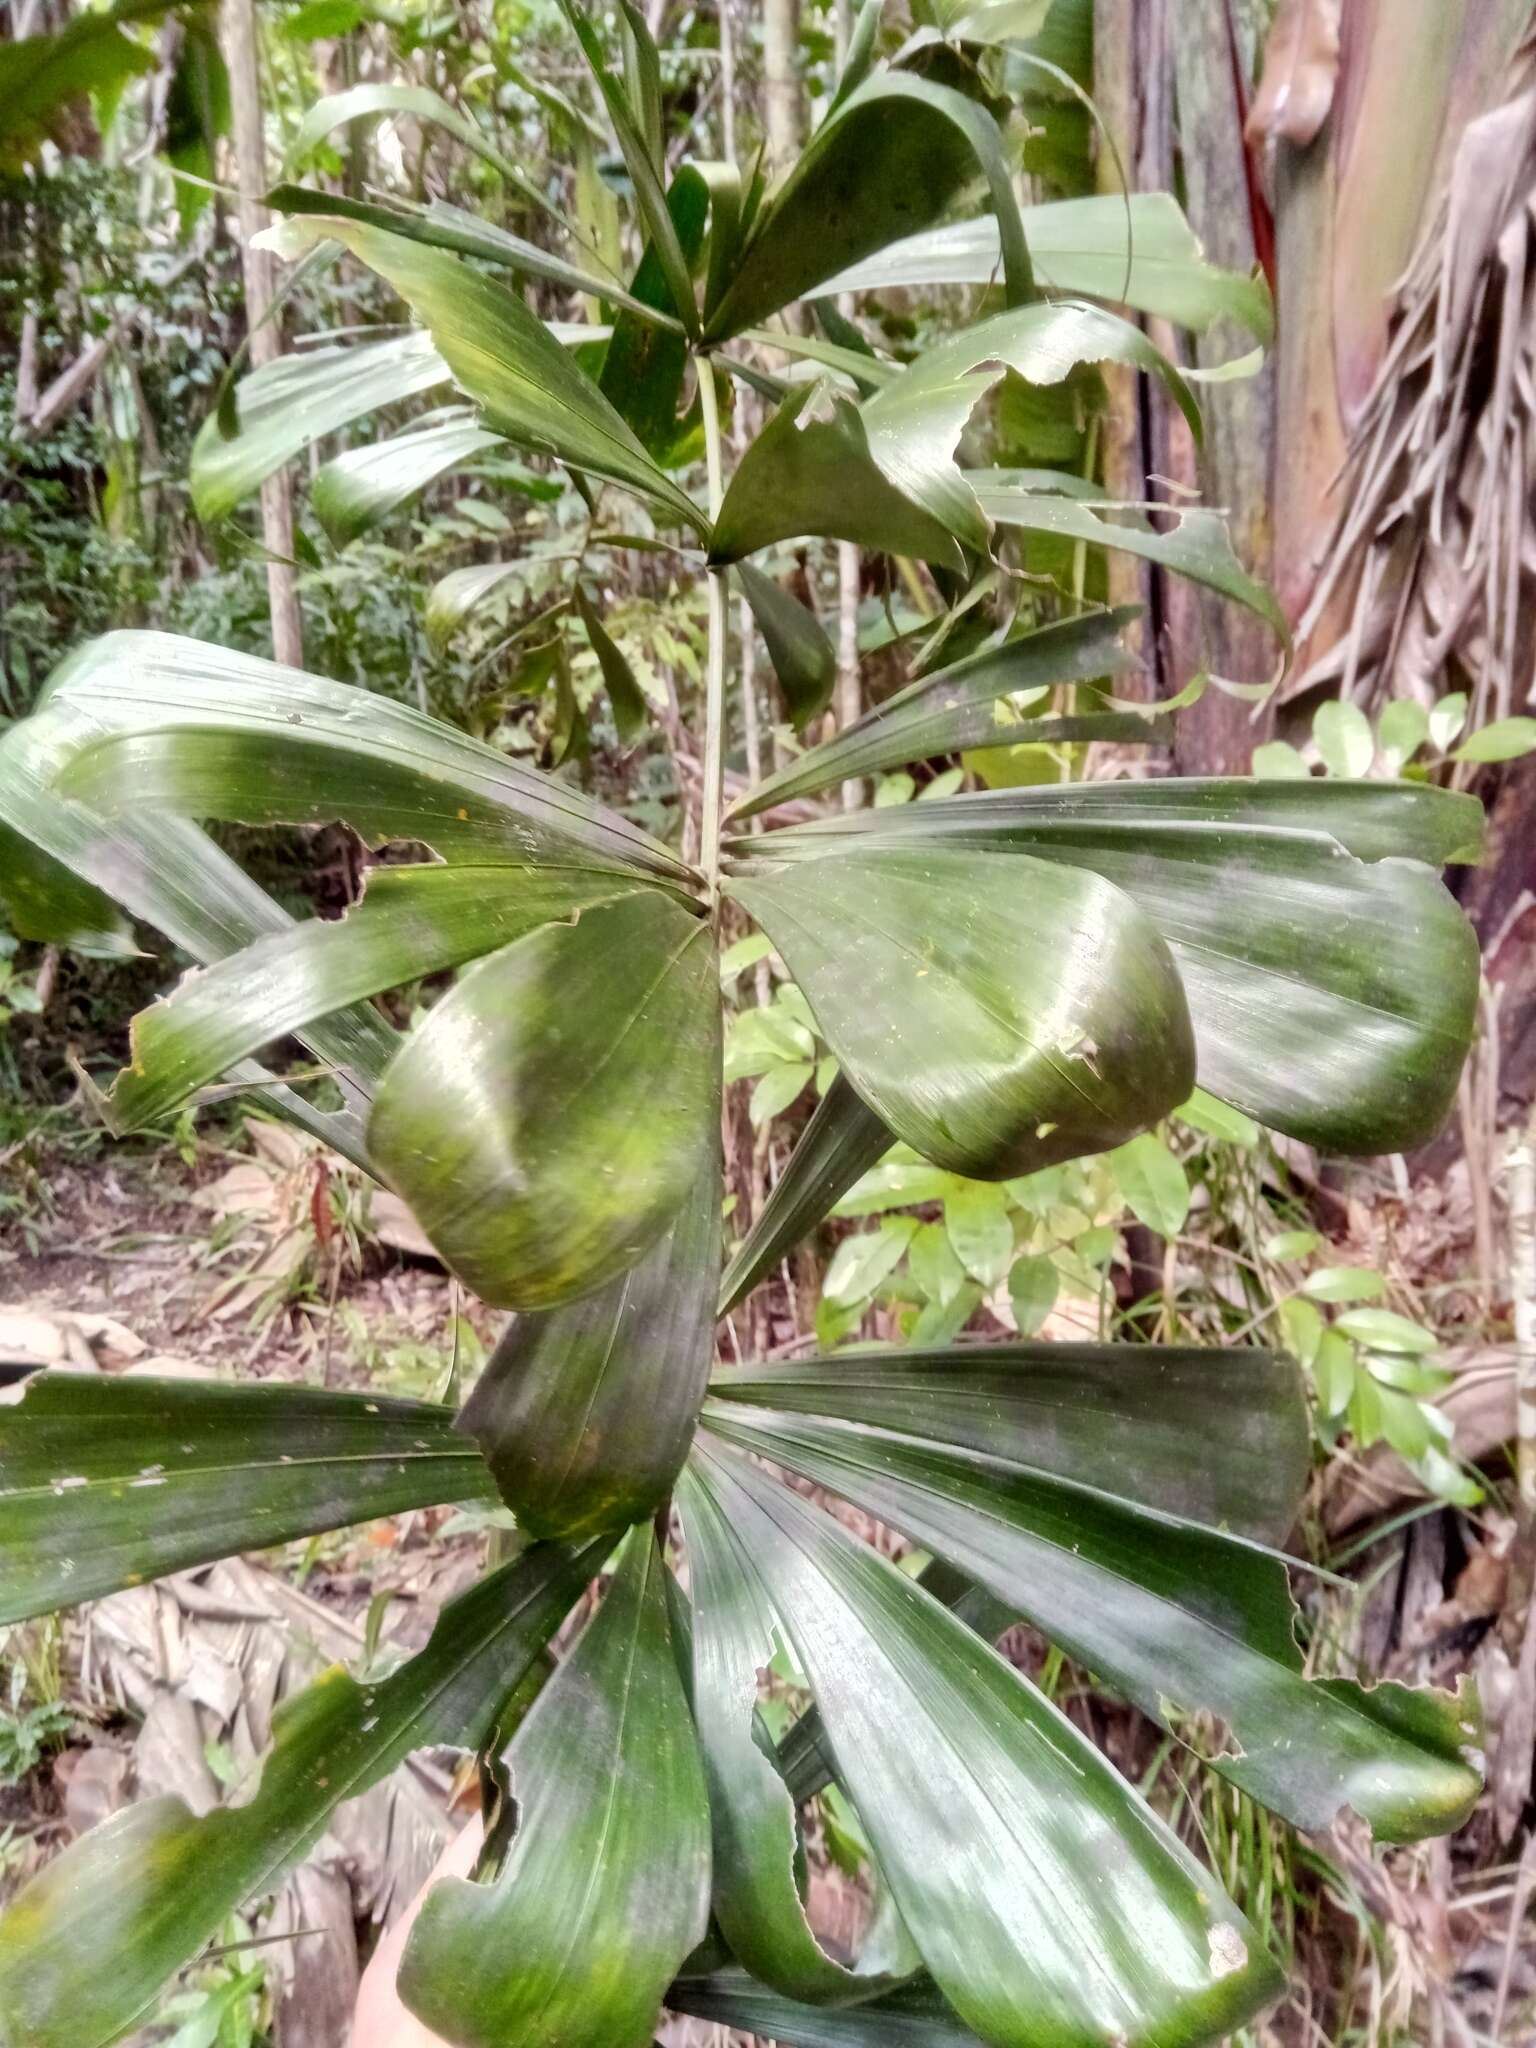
(783, 114)
(239, 25)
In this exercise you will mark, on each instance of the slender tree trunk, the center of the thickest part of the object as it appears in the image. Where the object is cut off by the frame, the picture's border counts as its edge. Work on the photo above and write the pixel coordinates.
(26, 370)
(850, 572)
(1216, 735)
(1126, 59)
(239, 26)
(727, 35)
(783, 111)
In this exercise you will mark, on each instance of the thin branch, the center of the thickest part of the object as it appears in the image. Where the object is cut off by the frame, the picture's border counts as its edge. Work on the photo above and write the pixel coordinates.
(719, 632)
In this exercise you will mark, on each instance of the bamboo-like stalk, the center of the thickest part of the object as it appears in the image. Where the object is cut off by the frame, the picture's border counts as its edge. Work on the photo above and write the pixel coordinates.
(727, 35)
(719, 632)
(784, 120)
(240, 53)
(1520, 1185)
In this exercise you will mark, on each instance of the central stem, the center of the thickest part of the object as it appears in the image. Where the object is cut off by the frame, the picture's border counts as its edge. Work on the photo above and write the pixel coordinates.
(719, 630)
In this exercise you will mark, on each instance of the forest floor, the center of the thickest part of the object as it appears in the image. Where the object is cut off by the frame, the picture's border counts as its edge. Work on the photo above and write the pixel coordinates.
(254, 1257)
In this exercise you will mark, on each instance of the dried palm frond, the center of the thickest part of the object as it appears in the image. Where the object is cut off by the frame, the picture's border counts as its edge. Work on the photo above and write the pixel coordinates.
(201, 1660)
(1436, 537)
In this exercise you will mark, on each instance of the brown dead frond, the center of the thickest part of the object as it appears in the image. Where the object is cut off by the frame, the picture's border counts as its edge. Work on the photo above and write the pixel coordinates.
(1436, 536)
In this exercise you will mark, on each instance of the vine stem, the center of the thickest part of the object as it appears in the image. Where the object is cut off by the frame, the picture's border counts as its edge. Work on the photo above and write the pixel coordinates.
(719, 635)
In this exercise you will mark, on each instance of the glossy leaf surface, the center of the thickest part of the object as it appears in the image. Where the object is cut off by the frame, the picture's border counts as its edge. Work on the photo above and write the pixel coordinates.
(44, 900)
(914, 2017)
(1372, 820)
(504, 358)
(1183, 1619)
(358, 488)
(1332, 996)
(378, 98)
(441, 225)
(989, 1813)
(644, 167)
(1119, 1417)
(172, 875)
(994, 1019)
(914, 423)
(107, 1481)
(888, 160)
(810, 471)
(154, 1883)
(1142, 254)
(546, 1120)
(804, 659)
(299, 399)
(584, 1414)
(960, 707)
(153, 721)
(645, 365)
(411, 921)
(757, 1904)
(605, 1887)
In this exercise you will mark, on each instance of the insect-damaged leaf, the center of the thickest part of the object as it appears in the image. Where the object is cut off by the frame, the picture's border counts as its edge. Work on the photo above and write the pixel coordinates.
(987, 1810)
(411, 921)
(546, 1120)
(105, 1482)
(996, 1021)
(584, 1414)
(153, 721)
(605, 1886)
(756, 1902)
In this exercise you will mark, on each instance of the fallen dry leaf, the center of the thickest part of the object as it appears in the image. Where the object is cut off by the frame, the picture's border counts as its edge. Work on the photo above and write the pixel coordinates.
(33, 1334)
(392, 1223)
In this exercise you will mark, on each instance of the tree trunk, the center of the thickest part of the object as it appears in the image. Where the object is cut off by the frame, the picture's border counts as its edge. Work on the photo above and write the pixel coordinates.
(727, 36)
(239, 28)
(1131, 78)
(850, 568)
(783, 113)
(1216, 735)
